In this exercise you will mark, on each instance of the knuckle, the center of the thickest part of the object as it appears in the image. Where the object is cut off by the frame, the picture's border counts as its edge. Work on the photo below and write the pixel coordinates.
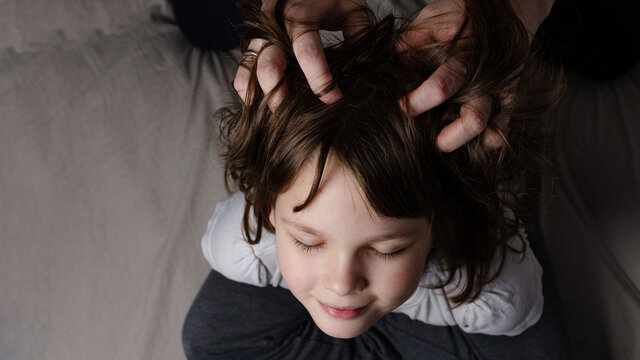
(447, 32)
(428, 11)
(443, 89)
(295, 11)
(307, 52)
(268, 71)
(474, 123)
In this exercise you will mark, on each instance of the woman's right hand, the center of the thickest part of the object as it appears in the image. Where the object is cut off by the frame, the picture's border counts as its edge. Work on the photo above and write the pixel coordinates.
(306, 17)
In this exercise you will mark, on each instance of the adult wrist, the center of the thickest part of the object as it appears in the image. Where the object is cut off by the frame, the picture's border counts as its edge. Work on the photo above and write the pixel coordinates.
(532, 12)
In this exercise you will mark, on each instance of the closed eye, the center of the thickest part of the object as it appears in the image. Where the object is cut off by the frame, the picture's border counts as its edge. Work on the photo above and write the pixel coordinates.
(384, 256)
(305, 247)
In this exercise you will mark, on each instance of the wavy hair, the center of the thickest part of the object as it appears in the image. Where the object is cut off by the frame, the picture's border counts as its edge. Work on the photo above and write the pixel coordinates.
(473, 197)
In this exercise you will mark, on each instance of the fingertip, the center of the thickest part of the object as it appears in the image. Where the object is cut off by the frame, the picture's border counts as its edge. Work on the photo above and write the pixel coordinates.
(443, 144)
(403, 43)
(454, 135)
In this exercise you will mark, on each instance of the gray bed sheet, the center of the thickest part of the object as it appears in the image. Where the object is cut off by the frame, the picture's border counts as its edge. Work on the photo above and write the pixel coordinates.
(109, 173)
(107, 178)
(591, 215)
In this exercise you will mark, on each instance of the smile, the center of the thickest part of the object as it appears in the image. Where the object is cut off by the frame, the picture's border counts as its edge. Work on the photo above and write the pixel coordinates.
(343, 312)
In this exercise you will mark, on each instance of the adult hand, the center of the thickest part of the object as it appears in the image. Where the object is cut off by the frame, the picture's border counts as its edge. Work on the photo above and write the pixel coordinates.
(439, 22)
(306, 17)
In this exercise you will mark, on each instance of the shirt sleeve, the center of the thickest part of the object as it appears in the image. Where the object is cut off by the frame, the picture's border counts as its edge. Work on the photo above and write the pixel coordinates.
(226, 250)
(508, 305)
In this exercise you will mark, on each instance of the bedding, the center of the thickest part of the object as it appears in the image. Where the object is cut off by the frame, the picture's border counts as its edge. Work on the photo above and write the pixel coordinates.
(590, 215)
(109, 173)
(106, 179)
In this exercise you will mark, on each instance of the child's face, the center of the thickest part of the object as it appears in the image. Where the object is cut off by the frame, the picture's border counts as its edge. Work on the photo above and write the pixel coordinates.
(346, 267)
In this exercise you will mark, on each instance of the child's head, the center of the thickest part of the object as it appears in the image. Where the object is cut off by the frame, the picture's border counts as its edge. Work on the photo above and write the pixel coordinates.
(341, 252)
(364, 184)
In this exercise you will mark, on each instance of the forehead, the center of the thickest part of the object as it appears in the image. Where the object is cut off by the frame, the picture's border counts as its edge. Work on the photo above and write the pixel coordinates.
(337, 186)
(339, 205)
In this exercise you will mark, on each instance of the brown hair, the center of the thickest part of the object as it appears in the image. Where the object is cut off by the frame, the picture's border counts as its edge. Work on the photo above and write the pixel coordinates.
(467, 194)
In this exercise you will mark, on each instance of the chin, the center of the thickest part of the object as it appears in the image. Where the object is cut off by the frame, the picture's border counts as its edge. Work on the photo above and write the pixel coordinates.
(342, 331)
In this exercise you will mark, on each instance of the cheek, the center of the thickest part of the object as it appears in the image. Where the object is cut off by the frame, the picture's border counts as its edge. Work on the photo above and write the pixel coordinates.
(405, 280)
(296, 269)
(400, 280)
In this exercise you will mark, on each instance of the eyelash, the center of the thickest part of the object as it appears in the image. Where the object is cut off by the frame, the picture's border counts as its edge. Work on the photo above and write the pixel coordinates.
(310, 248)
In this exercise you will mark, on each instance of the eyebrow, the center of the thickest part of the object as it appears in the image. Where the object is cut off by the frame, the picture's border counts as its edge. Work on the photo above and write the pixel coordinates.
(401, 234)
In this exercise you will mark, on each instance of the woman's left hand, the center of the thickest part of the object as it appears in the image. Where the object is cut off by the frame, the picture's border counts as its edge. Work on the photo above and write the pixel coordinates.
(439, 22)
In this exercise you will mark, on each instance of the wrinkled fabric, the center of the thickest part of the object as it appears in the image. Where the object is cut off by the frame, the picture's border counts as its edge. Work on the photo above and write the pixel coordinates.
(107, 178)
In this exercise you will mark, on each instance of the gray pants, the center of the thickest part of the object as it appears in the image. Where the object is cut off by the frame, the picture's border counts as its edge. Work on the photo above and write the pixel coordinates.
(231, 320)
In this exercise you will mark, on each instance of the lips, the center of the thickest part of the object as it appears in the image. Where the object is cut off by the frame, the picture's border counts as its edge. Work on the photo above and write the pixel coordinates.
(343, 312)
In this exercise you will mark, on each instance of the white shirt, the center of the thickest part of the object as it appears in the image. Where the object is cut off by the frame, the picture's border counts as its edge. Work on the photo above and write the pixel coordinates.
(506, 306)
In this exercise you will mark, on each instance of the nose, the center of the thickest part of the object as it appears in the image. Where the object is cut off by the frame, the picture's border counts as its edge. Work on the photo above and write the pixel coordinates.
(344, 276)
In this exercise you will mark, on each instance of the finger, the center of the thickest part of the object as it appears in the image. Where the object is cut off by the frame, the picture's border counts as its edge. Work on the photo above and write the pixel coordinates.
(436, 22)
(497, 137)
(243, 74)
(471, 123)
(271, 66)
(354, 22)
(241, 82)
(307, 47)
(440, 86)
(420, 33)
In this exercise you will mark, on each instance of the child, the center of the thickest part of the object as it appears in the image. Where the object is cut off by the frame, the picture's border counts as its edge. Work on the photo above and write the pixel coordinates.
(351, 206)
